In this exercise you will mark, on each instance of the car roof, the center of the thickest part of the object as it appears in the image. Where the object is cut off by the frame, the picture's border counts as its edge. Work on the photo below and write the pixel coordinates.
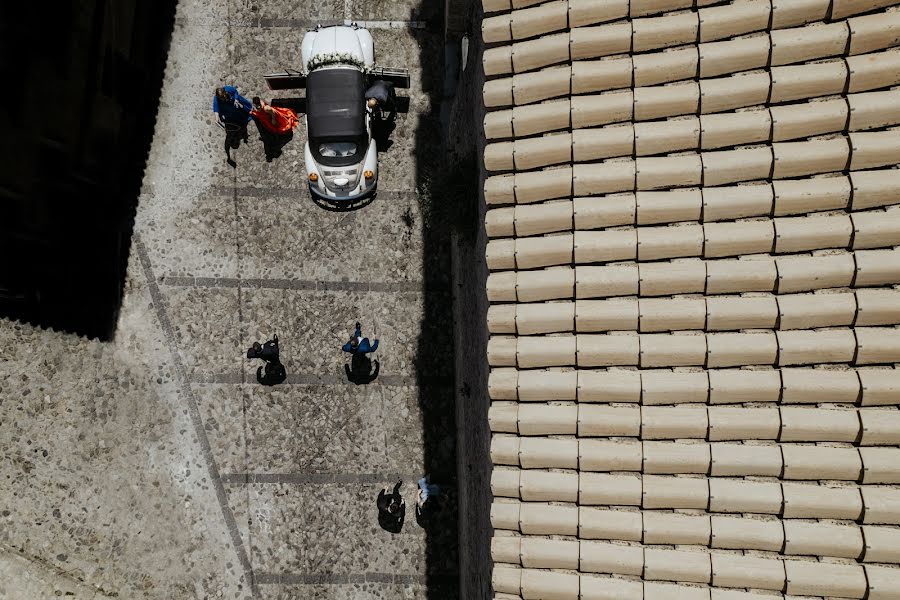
(335, 103)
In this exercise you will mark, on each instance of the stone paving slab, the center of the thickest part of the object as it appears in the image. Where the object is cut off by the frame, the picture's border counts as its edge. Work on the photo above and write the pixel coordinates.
(303, 529)
(312, 327)
(222, 408)
(105, 478)
(312, 11)
(346, 591)
(193, 158)
(188, 152)
(238, 500)
(417, 134)
(355, 442)
(22, 578)
(207, 247)
(206, 328)
(287, 236)
(404, 444)
(394, 10)
(260, 50)
(309, 429)
(298, 429)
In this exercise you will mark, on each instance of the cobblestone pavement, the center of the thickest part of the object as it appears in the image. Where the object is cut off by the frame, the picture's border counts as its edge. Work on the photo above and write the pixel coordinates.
(155, 466)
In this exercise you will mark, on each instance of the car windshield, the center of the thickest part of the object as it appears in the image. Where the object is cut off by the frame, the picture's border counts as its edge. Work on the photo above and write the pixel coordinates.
(337, 149)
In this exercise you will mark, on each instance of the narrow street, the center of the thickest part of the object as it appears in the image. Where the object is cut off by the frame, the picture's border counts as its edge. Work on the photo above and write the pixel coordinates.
(212, 485)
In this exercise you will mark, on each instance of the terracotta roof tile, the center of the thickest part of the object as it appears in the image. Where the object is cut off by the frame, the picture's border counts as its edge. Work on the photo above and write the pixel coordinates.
(693, 229)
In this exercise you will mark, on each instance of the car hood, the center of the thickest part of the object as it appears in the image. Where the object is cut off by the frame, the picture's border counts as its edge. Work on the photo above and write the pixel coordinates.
(334, 40)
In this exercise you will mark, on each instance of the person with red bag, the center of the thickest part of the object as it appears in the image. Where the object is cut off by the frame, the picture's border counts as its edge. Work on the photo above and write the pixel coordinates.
(276, 126)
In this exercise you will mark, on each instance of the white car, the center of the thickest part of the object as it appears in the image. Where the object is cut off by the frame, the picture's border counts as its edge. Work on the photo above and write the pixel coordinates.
(338, 66)
(341, 158)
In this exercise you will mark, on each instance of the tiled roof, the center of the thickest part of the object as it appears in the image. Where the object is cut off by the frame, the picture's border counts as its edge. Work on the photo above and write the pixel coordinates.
(694, 253)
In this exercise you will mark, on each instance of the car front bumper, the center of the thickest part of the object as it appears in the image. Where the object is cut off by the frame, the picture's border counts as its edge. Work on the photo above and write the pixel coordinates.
(313, 189)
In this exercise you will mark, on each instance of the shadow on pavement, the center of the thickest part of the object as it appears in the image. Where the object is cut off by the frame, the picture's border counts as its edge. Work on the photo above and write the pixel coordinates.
(360, 371)
(344, 206)
(381, 133)
(273, 143)
(435, 359)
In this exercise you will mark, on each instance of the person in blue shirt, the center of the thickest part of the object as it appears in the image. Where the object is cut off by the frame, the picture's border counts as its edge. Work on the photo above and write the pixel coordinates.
(427, 491)
(359, 344)
(232, 114)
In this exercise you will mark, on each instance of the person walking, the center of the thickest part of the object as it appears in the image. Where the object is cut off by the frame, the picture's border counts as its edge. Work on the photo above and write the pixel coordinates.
(275, 124)
(273, 372)
(380, 97)
(267, 352)
(381, 104)
(426, 496)
(357, 344)
(232, 114)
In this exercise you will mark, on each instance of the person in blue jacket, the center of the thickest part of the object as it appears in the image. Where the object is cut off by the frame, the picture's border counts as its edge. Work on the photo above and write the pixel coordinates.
(232, 114)
(359, 344)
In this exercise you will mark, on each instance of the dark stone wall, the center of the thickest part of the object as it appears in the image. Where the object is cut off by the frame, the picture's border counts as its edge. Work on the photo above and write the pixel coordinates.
(465, 202)
(83, 83)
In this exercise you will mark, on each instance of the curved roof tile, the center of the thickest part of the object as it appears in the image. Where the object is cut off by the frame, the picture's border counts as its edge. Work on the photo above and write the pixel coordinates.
(694, 222)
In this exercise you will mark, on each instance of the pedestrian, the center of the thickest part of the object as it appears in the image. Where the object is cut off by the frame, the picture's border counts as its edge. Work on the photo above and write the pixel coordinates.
(273, 372)
(427, 496)
(380, 102)
(275, 124)
(357, 344)
(232, 114)
(267, 351)
(380, 97)
(391, 508)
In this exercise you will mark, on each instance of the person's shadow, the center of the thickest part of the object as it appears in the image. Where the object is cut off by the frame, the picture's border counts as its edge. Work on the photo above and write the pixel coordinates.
(392, 523)
(272, 373)
(273, 143)
(382, 130)
(427, 515)
(359, 371)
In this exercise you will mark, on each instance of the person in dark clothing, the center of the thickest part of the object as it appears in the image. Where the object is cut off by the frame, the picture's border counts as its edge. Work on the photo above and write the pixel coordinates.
(391, 509)
(267, 352)
(273, 372)
(381, 104)
(232, 114)
(359, 344)
(380, 96)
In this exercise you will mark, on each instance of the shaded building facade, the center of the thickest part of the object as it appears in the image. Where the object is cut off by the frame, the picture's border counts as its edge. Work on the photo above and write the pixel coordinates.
(85, 80)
